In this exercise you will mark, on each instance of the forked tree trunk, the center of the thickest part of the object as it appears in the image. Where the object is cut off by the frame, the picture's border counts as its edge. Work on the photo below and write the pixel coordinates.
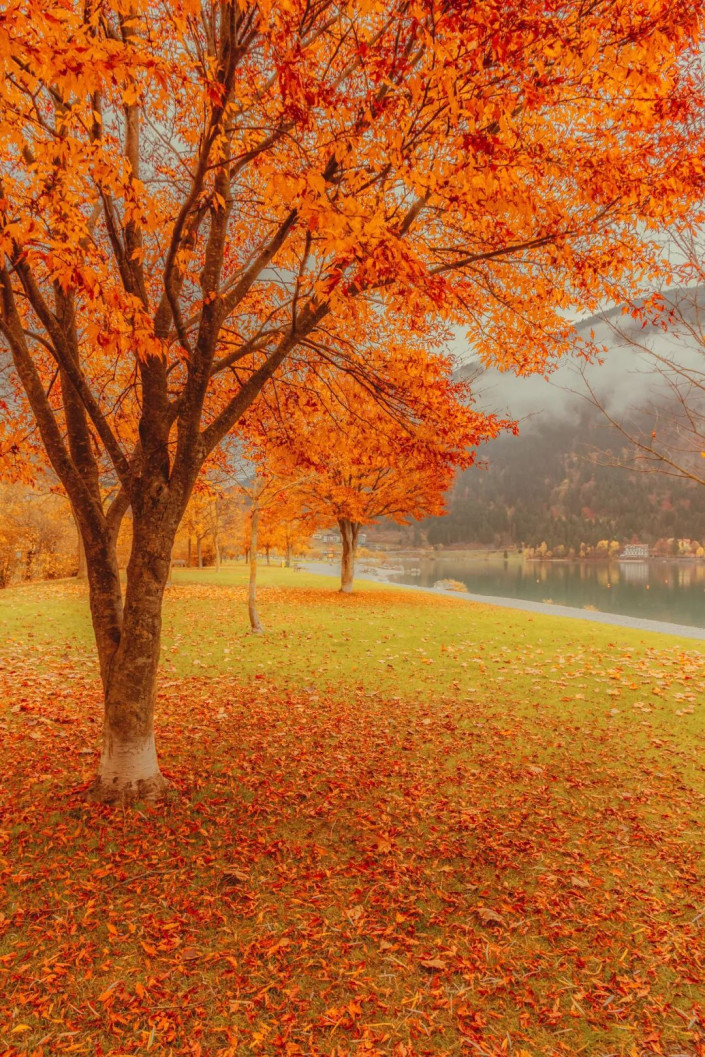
(348, 534)
(252, 587)
(129, 769)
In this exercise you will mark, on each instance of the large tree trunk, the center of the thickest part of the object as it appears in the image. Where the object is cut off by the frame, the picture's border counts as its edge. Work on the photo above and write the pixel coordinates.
(252, 587)
(129, 769)
(348, 534)
(105, 598)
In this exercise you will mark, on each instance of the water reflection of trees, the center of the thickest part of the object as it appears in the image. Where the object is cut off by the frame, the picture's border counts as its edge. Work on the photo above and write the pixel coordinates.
(690, 575)
(639, 574)
(670, 590)
(635, 573)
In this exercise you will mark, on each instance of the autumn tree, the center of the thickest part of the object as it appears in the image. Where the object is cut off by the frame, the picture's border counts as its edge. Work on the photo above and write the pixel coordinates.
(197, 519)
(288, 522)
(372, 455)
(275, 497)
(36, 541)
(194, 193)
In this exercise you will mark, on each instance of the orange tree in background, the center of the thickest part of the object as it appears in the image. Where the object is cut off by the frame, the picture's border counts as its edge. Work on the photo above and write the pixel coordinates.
(276, 502)
(192, 194)
(287, 525)
(389, 452)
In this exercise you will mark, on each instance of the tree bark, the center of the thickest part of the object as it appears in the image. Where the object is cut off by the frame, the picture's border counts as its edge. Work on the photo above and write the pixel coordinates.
(129, 769)
(348, 534)
(105, 599)
(82, 572)
(252, 587)
(199, 551)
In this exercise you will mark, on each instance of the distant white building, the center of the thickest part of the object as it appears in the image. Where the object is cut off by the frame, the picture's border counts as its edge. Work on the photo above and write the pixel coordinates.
(334, 537)
(635, 550)
(327, 537)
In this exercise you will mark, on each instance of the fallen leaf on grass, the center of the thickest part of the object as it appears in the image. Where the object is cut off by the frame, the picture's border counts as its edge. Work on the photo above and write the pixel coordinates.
(579, 882)
(489, 917)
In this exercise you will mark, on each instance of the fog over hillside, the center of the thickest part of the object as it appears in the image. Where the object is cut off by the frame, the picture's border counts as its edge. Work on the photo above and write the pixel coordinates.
(559, 482)
(624, 379)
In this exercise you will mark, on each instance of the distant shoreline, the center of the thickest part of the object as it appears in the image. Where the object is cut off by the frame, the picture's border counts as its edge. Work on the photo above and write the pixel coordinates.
(677, 559)
(660, 627)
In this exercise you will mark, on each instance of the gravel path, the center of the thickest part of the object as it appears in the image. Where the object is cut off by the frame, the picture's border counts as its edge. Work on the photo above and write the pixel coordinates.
(685, 631)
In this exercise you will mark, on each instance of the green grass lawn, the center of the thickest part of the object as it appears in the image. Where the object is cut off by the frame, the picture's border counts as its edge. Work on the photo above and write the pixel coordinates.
(404, 824)
(387, 640)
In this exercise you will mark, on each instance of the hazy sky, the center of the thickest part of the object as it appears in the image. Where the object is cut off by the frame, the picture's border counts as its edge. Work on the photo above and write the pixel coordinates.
(624, 379)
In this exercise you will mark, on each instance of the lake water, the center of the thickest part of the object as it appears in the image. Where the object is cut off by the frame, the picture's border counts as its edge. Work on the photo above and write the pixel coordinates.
(657, 590)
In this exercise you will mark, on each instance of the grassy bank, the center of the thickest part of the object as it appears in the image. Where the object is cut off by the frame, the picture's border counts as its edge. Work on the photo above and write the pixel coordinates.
(404, 825)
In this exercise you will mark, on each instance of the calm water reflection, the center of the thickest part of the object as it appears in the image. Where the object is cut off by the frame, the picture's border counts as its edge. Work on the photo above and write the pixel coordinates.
(660, 590)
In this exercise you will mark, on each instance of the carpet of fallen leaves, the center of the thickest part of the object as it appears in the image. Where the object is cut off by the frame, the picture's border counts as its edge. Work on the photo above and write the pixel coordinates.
(354, 873)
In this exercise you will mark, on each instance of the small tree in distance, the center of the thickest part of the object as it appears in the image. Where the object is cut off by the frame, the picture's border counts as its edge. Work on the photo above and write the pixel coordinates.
(278, 499)
(368, 459)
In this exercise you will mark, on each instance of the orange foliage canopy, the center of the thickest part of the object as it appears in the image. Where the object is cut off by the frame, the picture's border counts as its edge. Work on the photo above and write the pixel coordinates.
(362, 454)
(209, 183)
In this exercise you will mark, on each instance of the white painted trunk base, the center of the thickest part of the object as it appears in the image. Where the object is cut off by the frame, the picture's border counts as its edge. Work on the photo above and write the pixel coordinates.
(128, 769)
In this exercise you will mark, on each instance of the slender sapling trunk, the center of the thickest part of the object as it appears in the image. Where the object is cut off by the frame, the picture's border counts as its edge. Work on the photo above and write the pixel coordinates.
(252, 587)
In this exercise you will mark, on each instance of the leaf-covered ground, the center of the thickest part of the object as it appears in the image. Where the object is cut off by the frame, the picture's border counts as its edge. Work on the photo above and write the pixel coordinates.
(402, 825)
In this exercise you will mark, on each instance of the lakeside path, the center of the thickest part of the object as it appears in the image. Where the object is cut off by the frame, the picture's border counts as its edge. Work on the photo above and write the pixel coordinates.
(686, 631)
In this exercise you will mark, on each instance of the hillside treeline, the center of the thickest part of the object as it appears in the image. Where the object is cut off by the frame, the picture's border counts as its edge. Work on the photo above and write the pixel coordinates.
(563, 481)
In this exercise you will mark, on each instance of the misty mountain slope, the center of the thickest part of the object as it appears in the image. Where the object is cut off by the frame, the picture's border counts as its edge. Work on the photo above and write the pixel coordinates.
(548, 484)
(625, 378)
(545, 485)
